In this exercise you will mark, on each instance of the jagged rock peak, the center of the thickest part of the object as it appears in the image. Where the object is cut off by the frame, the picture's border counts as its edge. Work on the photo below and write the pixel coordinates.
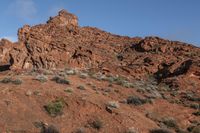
(64, 18)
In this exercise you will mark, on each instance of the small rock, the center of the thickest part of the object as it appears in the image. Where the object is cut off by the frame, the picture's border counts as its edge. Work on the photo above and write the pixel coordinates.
(124, 101)
(112, 107)
(28, 93)
(113, 104)
(50, 129)
(131, 130)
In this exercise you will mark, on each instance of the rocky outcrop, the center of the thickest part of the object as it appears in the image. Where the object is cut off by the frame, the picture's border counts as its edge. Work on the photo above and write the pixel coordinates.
(62, 43)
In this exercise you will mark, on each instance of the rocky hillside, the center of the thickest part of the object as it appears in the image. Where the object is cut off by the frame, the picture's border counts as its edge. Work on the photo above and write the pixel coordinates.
(158, 69)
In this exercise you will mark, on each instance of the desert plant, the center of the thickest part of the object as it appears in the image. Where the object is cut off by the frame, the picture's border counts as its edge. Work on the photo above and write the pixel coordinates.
(131, 130)
(70, 71)
(96, 124)
(42, 78)
(69, 90)
(47, 72)
(80, 130)
(160, 131)
(49, 129)
(119, 80)
(81, 87)
(195, 106)
(55, 108)
(136, 100)
(17, 81)
(60, 80)
(83, 75)
(6, 80)
(196, 129)
(170, 122)
(196, 113)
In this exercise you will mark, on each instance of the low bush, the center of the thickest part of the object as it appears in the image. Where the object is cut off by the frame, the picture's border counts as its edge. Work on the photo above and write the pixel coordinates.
(55, 108)
(160, 131)
(10, 80)
(81, 87)
(136, 100)
(60, 80)
(96, 124)
(17, 81)
(69, 90)
(42, 78)
(50, 129)
(170, 122)
(6, 80)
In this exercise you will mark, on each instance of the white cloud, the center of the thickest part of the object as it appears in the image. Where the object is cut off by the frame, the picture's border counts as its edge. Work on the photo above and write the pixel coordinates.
(10, 38)
(24, 9)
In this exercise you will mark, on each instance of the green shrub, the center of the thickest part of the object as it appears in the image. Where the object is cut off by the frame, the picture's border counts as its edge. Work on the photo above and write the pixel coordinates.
(10, 80)
(50, 129)
(96, 124)
(6, 80)
(136, 100)
(61, 80)
(70, 72)
(55, 108)
(69, 90)
(42, 78)
(17, 81)
(160, 131)
(83, 75)
(196, 113)
(170, 122)
(119, 80)
(195, 106)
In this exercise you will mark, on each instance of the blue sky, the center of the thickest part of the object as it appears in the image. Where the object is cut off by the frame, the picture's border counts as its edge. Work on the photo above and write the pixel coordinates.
(171, 19)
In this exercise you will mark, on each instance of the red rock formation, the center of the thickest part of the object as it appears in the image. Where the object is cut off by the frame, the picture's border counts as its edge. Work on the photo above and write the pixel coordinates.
(61, 43)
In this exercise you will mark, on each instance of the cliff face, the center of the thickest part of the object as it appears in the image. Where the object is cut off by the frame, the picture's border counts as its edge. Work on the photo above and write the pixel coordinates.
(61, 43)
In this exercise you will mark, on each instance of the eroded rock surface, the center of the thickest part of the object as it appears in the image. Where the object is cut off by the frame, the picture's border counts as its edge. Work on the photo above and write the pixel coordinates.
(61, 43)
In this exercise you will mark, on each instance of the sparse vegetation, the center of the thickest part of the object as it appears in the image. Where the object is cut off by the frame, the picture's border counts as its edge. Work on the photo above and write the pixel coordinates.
(7, 80)
(70, 71)
(81, 87)
(83, 75)
(42, 78)
(131, 130)
(136, 100)
(80, 130)
(17, 81)
(55, 108)
(160, 131)
(195, 106)
(96, 124)
(170, 122)
(196, 129)
(69, 90)
(50, 129)
(197, 113)
(61, 80)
